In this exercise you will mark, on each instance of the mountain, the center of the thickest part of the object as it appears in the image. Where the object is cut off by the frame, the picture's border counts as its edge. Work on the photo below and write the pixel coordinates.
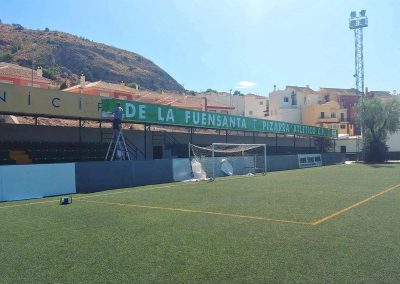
(64, 57)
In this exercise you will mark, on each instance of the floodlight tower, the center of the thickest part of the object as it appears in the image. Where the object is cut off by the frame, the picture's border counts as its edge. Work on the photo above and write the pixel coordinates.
(357, 23)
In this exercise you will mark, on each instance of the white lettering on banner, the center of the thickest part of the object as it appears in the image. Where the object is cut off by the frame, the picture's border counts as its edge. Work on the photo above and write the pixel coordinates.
(170, 116)
(130, 110)
(142, 112)
(211, 119)
(225, 122)
(232, 122)
(204, 118)
(219, 121)
(244, 123)
(159, 115)
(196, 117)
(187, 116)
(264, 125)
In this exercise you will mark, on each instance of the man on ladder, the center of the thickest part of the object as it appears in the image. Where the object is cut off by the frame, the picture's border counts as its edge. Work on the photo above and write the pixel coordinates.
(117, 112)
(119, 151)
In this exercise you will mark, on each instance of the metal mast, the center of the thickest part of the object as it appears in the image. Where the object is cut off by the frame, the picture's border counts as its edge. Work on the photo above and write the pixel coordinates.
(357, 23)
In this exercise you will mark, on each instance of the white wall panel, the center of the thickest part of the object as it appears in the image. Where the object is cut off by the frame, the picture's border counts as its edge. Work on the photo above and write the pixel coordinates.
(35, 181)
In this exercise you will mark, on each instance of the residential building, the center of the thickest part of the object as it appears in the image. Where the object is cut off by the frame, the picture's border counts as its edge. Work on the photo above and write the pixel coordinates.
(383, 95)
(255, 106)
(235, 102)
(393, 142)
(121, 91)
(18, 75)
(286, 105)
(103, 89)
(329, 115)
(347, 98)
(242, 105)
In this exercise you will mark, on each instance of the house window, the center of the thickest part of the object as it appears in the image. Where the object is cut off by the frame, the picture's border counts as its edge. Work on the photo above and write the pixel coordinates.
(342, 126)
(322, 114)
(212, 110)
(333, 114)
(261, 103)
(285, 99)
(341, 116)
(224, 112)
(294, 99)
(343, 149)
(305, 100)
(250, 112)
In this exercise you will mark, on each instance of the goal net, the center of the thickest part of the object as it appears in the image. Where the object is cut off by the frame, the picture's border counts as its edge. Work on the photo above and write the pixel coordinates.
(223, 159)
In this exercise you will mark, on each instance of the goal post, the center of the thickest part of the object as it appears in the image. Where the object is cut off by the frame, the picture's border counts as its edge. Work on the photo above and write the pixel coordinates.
(227, 159)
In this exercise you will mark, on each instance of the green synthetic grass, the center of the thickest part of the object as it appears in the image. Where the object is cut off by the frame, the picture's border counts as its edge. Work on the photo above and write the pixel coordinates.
(176, 233)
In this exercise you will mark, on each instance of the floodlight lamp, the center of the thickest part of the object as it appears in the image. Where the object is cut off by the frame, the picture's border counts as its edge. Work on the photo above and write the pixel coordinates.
(362, 13)
(353, 14)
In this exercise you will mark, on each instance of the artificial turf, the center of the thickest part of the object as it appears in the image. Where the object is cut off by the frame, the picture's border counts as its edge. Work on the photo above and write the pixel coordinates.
(230, 230)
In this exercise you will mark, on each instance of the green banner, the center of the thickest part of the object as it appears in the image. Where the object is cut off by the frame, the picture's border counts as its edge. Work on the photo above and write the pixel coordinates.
(166, 115)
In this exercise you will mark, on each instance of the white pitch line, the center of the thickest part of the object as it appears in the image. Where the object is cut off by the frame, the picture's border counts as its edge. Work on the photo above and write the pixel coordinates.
(27, 204)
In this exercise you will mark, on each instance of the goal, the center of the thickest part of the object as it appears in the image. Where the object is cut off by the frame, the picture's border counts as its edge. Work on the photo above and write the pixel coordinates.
(225, 159)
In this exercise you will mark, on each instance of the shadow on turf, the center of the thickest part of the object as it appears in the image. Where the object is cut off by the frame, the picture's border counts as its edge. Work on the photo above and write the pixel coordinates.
(380, 166)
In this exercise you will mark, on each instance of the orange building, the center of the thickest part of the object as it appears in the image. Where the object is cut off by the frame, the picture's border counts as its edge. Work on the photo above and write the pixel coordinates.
(18, 75)
(329, 115)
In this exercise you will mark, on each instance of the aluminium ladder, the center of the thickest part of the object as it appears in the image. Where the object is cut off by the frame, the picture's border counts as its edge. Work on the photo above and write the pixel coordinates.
(117, 149)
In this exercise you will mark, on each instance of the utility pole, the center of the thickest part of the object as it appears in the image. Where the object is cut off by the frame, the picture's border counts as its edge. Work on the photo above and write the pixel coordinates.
(33, 59)
(357, 23)
(230, 99)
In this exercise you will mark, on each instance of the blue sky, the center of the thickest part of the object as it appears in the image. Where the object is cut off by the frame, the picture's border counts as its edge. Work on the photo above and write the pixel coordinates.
(219, 43)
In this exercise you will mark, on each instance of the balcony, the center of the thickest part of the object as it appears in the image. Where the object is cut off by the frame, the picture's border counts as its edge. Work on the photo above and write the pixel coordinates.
(328, 120)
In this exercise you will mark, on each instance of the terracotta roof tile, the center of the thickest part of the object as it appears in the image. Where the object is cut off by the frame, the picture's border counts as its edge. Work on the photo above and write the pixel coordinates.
(301, 89)
(338, 91)
(9, 69)
(152, 97)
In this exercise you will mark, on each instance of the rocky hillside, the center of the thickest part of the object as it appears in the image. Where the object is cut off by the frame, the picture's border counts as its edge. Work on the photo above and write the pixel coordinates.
(64, 57)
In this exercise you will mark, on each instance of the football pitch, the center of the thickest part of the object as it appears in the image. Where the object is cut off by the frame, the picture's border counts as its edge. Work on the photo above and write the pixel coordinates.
(335, 224)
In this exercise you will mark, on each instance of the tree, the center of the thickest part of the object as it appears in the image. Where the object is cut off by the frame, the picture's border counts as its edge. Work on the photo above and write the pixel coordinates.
(211, 91)
(63, 85)
(6, 57)
(18, 27)
(380, 119)
(50, 73)
(237, 93)
(46, 29)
